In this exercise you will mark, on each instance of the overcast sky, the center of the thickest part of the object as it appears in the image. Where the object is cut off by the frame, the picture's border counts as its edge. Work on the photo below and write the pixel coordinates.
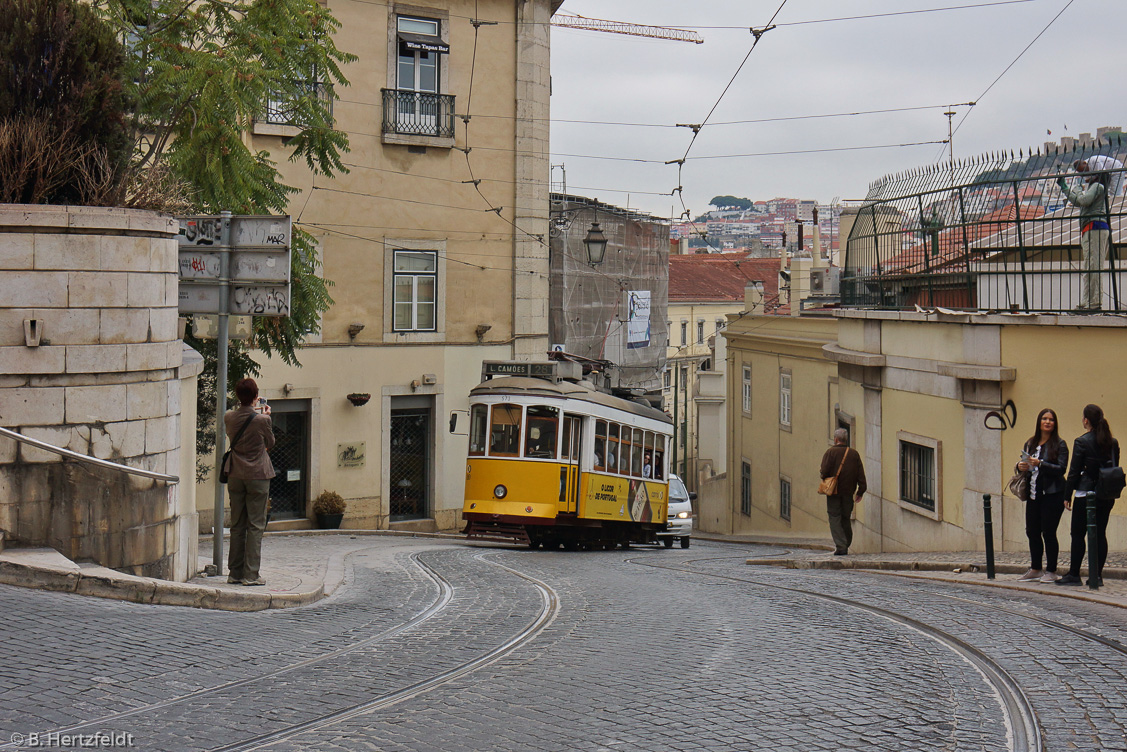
(1072, 76)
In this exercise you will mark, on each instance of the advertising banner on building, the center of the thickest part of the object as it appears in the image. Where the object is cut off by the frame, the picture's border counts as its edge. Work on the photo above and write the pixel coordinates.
(638, 321)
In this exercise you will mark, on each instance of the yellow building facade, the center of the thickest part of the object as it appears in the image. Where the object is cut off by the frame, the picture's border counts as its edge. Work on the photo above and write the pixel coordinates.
(436, 244)
(939, 406)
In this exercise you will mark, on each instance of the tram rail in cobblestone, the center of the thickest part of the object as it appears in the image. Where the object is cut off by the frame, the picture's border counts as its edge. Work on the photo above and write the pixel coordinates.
(445, 595)
(550, 605)
(1024, 729)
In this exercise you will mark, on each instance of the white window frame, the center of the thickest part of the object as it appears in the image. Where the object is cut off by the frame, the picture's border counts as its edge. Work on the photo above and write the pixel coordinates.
(684, 333)
(936, 448)
(438, 248)
(700, 331)
(786, 396)
(746, 389)
(419, 13)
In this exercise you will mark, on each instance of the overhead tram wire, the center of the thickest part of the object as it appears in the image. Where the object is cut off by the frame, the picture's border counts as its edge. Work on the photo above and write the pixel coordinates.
(985, 91)
(696, 128)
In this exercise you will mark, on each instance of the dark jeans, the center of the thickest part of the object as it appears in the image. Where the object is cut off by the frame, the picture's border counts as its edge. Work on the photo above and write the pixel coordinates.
(1080, 531)
(1042, 517)
(248, 521)
(840, 509)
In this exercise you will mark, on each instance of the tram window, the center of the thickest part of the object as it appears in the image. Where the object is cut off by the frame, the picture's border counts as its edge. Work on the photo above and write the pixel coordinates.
(612, 447)
(600, 444)
(479, 425)
(636, 454)
(648, 456)
(543, 429)
(625, 452)
(504, 438)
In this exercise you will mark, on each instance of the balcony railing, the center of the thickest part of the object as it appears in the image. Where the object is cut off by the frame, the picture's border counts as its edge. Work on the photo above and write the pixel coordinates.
(418, 113)
(992, 234)
(282, 113)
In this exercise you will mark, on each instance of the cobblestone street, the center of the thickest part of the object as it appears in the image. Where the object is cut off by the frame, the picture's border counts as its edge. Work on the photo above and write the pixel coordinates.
(436, 645)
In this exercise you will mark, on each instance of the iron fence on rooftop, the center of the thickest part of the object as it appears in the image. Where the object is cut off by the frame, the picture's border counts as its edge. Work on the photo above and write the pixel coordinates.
(994, 233)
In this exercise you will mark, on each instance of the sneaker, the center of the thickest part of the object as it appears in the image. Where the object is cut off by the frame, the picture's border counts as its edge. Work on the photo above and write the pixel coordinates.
(1070, 579)
(1050, 577)
(233, 580)
(1031, 576)
(255, 581)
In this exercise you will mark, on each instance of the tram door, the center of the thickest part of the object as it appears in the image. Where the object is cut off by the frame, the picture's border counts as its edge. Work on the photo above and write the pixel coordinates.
(569, 473)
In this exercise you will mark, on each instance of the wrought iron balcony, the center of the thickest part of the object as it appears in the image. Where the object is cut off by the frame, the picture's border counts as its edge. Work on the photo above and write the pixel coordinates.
(989, 234)
(418, 113)
(282, 113)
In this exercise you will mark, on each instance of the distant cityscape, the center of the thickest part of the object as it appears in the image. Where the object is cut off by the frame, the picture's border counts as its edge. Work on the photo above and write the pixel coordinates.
(759, 228)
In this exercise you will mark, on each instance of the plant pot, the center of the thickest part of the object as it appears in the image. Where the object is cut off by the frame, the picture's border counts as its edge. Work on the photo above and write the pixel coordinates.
(329, 521)
(359, 399)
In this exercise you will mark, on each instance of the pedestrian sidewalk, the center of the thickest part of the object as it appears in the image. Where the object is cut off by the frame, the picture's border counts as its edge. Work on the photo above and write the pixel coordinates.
(302, 567)
(964, 566)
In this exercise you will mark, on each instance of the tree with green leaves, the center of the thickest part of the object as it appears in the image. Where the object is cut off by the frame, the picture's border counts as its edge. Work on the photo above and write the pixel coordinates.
(199, 74)
(730, 202)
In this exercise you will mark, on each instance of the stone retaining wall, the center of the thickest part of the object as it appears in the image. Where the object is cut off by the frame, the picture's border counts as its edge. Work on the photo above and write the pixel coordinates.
(100, 285)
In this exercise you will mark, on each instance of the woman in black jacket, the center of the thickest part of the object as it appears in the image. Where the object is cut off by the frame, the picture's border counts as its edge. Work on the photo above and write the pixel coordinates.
(1045, 457)
(1090, 452)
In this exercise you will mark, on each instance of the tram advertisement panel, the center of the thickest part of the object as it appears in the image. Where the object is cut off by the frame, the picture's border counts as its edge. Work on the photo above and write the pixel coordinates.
(610, 497)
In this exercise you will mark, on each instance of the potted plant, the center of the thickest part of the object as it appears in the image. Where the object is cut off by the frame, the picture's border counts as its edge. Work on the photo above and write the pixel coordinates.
(329, 508)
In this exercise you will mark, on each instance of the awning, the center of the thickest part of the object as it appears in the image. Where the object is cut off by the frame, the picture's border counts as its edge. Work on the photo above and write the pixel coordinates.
(423, 42)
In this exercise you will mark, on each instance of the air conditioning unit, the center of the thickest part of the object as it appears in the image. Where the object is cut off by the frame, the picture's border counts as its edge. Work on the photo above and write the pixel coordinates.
(825, 281)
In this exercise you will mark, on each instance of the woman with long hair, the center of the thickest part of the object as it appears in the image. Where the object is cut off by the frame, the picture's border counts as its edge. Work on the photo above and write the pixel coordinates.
(1090, 452)
(1045, 457)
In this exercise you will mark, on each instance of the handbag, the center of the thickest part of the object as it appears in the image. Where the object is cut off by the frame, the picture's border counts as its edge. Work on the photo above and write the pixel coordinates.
(828, 486)
(1111, 482)
(223, 474)
(1019, 484)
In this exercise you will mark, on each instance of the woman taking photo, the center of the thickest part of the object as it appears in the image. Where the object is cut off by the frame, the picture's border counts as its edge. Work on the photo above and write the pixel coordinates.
(1045, 457)
(1090, 452)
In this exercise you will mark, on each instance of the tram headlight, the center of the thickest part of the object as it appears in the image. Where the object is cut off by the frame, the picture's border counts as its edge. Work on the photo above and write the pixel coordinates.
(500, 491)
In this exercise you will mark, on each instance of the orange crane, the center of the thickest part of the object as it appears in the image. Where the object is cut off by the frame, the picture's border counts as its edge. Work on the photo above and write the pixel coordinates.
(566, 21)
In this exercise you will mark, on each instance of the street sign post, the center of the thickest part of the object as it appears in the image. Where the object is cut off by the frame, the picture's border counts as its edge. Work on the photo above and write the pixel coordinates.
(232, 265)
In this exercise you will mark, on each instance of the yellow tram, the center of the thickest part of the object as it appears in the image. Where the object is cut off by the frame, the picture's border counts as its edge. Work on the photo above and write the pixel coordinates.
(555, 461)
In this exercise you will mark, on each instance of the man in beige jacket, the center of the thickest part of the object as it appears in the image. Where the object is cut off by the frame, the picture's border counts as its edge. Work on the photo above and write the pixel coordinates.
(248, 483)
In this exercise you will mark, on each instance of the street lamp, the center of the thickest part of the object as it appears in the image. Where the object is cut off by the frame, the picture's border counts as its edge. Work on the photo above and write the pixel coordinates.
(596, 243)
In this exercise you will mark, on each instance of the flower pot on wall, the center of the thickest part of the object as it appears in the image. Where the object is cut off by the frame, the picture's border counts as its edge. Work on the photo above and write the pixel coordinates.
(359, 399)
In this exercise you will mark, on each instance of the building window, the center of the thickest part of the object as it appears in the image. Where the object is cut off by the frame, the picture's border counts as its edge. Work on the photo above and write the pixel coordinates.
(747, 389)
(684, 333)
(279, 112)
(784, 499)
(666, 378)
(415, 284)
(917, 475)
(415, 106)
(719, 325)
(784, 398)
(700, 331)
(668, 332)
(745, 489)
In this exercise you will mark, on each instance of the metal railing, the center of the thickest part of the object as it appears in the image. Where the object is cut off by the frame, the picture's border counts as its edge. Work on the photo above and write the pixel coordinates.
(418, 113)
(994, 233)
(283, 113)
(86, 458)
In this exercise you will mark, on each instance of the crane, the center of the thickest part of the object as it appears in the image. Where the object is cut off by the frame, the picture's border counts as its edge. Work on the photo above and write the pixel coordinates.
(567, 21)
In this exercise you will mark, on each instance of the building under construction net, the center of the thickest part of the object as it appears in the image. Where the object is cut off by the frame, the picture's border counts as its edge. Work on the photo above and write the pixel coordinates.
(614, 310)
(992, 233)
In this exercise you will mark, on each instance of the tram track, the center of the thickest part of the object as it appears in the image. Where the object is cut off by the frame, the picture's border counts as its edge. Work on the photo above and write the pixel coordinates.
(550, 605)
(445, 596)
(1024, 730)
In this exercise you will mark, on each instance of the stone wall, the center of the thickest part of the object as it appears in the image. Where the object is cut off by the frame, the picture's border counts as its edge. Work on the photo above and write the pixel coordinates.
(98, 287)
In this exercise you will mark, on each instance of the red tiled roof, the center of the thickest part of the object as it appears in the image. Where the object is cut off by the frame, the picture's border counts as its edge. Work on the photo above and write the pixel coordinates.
(951, 251)
(719, 277)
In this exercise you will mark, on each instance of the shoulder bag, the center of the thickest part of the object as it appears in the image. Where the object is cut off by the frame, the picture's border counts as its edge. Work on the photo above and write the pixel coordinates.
(223, 472)
(828, 486)
(1019, 484)
(1111, 481)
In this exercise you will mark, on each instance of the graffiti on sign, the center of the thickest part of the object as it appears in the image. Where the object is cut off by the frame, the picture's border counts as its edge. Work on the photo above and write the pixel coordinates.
(200, 230)
(260, 266)
(260, 231)
(199, 265)
(261, 300)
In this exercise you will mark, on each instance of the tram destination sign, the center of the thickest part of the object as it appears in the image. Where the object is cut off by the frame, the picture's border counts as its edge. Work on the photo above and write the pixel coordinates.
(491, 368)
(256, 250)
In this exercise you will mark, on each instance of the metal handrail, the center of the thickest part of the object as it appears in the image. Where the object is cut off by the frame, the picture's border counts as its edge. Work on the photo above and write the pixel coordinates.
(88, 459)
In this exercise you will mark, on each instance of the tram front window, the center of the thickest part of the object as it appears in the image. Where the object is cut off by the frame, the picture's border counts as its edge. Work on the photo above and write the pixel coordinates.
(504, 433)
(479, 424)
(543, 428)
